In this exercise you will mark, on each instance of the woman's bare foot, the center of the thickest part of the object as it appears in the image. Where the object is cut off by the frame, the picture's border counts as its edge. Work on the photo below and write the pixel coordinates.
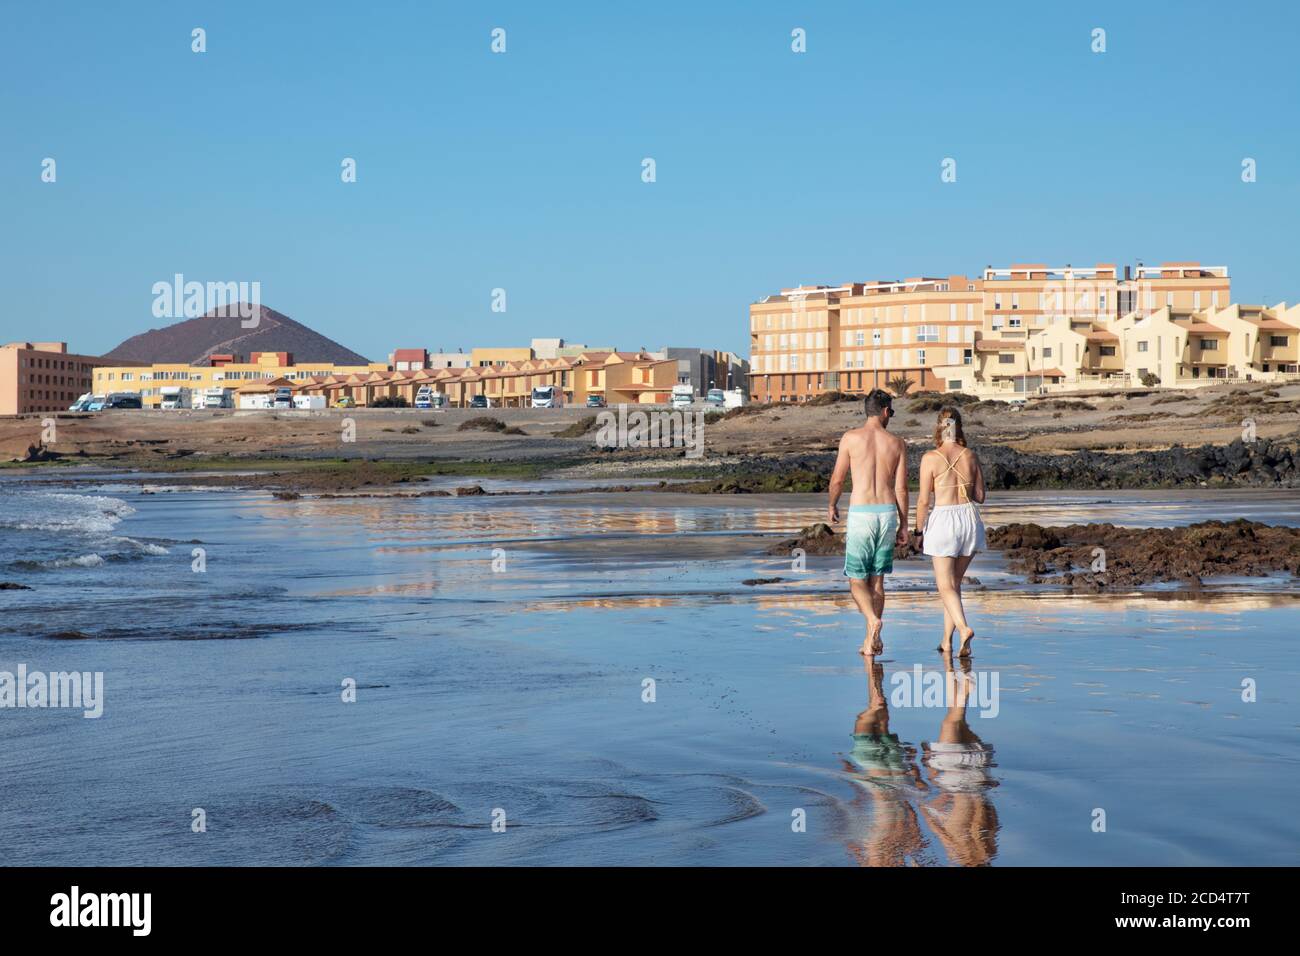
(945, 645)
(967, 636)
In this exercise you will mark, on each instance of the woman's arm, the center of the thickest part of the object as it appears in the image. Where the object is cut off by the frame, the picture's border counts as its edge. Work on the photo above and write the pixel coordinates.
(978, 490)
(927, 489)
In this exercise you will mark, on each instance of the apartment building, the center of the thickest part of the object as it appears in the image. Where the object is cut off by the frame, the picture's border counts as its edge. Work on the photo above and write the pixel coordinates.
(43, 377)
(958, 332)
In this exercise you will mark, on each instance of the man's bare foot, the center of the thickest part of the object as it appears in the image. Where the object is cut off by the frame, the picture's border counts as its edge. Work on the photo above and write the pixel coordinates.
(967, 636)
(872, 645)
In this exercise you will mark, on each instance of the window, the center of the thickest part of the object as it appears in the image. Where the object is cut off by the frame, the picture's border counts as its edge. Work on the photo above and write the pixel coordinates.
(997, 301)
(1006, 358)
(1196, 300)
(927, 333)
(997, 322)
(1142, 346)
(1105, 350)
(1047, 351)
(1209, 345)
(1278, 341)
(859, 338)
(920, 356)
(1101, 301)
(875, 338)
(1015, 300)
(1169, 300)
(966, 357)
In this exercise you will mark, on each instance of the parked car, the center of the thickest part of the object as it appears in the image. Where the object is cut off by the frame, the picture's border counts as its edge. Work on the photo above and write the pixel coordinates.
(124, 401)
(97, 403)
(480, 401)
(283, 397)
(346, 401)
(595, 401)
(716, 397)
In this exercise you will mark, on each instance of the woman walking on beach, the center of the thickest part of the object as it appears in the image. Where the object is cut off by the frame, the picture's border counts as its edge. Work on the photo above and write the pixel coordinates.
(951, 531)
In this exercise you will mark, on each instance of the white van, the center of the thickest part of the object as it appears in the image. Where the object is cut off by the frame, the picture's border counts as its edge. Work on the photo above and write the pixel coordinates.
(215, 397)
(683, 396)
(175, 396)
(547, 396)
(426, 397)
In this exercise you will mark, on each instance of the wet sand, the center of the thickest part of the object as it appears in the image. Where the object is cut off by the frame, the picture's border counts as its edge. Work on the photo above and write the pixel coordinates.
(501, 648)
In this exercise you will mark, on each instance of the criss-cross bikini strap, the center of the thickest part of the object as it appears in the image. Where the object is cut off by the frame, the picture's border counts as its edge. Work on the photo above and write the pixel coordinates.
(960, 484)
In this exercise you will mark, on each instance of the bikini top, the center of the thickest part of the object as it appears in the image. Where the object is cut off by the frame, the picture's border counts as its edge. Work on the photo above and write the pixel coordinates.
(952, 466)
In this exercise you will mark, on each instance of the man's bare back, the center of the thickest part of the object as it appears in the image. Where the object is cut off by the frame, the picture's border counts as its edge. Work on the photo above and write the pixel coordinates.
(877, 461)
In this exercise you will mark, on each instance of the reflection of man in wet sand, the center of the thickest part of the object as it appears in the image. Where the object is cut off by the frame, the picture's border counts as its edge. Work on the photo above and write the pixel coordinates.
(962, 816)
(887, 770)
(878, 509)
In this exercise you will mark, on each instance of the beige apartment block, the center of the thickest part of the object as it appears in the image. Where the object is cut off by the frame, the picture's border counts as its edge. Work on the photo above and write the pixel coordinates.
(1033, 319)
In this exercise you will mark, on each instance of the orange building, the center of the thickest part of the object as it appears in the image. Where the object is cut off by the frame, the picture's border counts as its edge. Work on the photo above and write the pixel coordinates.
(44, 376)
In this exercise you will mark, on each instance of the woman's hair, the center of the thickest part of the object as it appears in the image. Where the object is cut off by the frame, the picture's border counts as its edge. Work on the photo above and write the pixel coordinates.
(948, 427)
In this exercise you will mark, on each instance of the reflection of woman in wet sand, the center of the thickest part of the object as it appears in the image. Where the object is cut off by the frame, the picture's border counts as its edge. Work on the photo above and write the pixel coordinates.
(888, 773)
(961, 815)
(952, 531)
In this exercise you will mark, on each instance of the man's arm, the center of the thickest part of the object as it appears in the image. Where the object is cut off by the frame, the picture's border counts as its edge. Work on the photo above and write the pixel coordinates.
(837, 480)
(900, 492)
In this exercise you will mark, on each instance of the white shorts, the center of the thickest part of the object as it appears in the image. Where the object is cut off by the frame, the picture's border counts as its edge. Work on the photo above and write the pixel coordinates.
(953, 531)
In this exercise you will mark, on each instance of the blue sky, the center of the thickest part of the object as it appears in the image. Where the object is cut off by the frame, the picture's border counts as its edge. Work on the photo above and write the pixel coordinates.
(523, 171)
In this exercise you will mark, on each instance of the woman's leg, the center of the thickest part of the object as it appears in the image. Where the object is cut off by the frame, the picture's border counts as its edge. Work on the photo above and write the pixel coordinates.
(960, 564)
(944, 571)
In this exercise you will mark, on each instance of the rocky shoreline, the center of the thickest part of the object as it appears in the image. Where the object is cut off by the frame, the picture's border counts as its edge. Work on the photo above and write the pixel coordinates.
(1260, 464)
(1103, 557)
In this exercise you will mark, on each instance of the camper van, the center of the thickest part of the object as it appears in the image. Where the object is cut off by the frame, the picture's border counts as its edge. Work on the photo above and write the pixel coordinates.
(215, 397)
(547, 396)
(309, 403)
(175, 396)
(283, 397)
(426, 397)
(683, 396)
(716, 397)
(82, 404)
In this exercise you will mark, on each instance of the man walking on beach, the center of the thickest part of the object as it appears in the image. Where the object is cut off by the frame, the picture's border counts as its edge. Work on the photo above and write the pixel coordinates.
(878, 509)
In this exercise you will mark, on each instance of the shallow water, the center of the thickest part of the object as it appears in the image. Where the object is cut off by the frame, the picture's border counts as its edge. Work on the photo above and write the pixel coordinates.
(500, 647)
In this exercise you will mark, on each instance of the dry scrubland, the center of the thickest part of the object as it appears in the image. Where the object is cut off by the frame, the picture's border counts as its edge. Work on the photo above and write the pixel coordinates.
(562, 441)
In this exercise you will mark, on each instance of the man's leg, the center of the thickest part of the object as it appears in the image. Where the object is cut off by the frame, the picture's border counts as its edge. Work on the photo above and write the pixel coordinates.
(860, 588)
(877, 583)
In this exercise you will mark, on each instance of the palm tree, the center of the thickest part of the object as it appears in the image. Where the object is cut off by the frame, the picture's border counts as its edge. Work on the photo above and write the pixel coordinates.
(899, 385)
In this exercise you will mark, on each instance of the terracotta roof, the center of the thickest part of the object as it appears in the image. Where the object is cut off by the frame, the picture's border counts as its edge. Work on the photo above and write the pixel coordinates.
(1270, 324)
(999, 345)
(1204, 328)
(1101, 335)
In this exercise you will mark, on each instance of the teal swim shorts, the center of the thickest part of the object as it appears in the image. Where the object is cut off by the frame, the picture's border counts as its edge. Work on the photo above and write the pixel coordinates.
(869, 548)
